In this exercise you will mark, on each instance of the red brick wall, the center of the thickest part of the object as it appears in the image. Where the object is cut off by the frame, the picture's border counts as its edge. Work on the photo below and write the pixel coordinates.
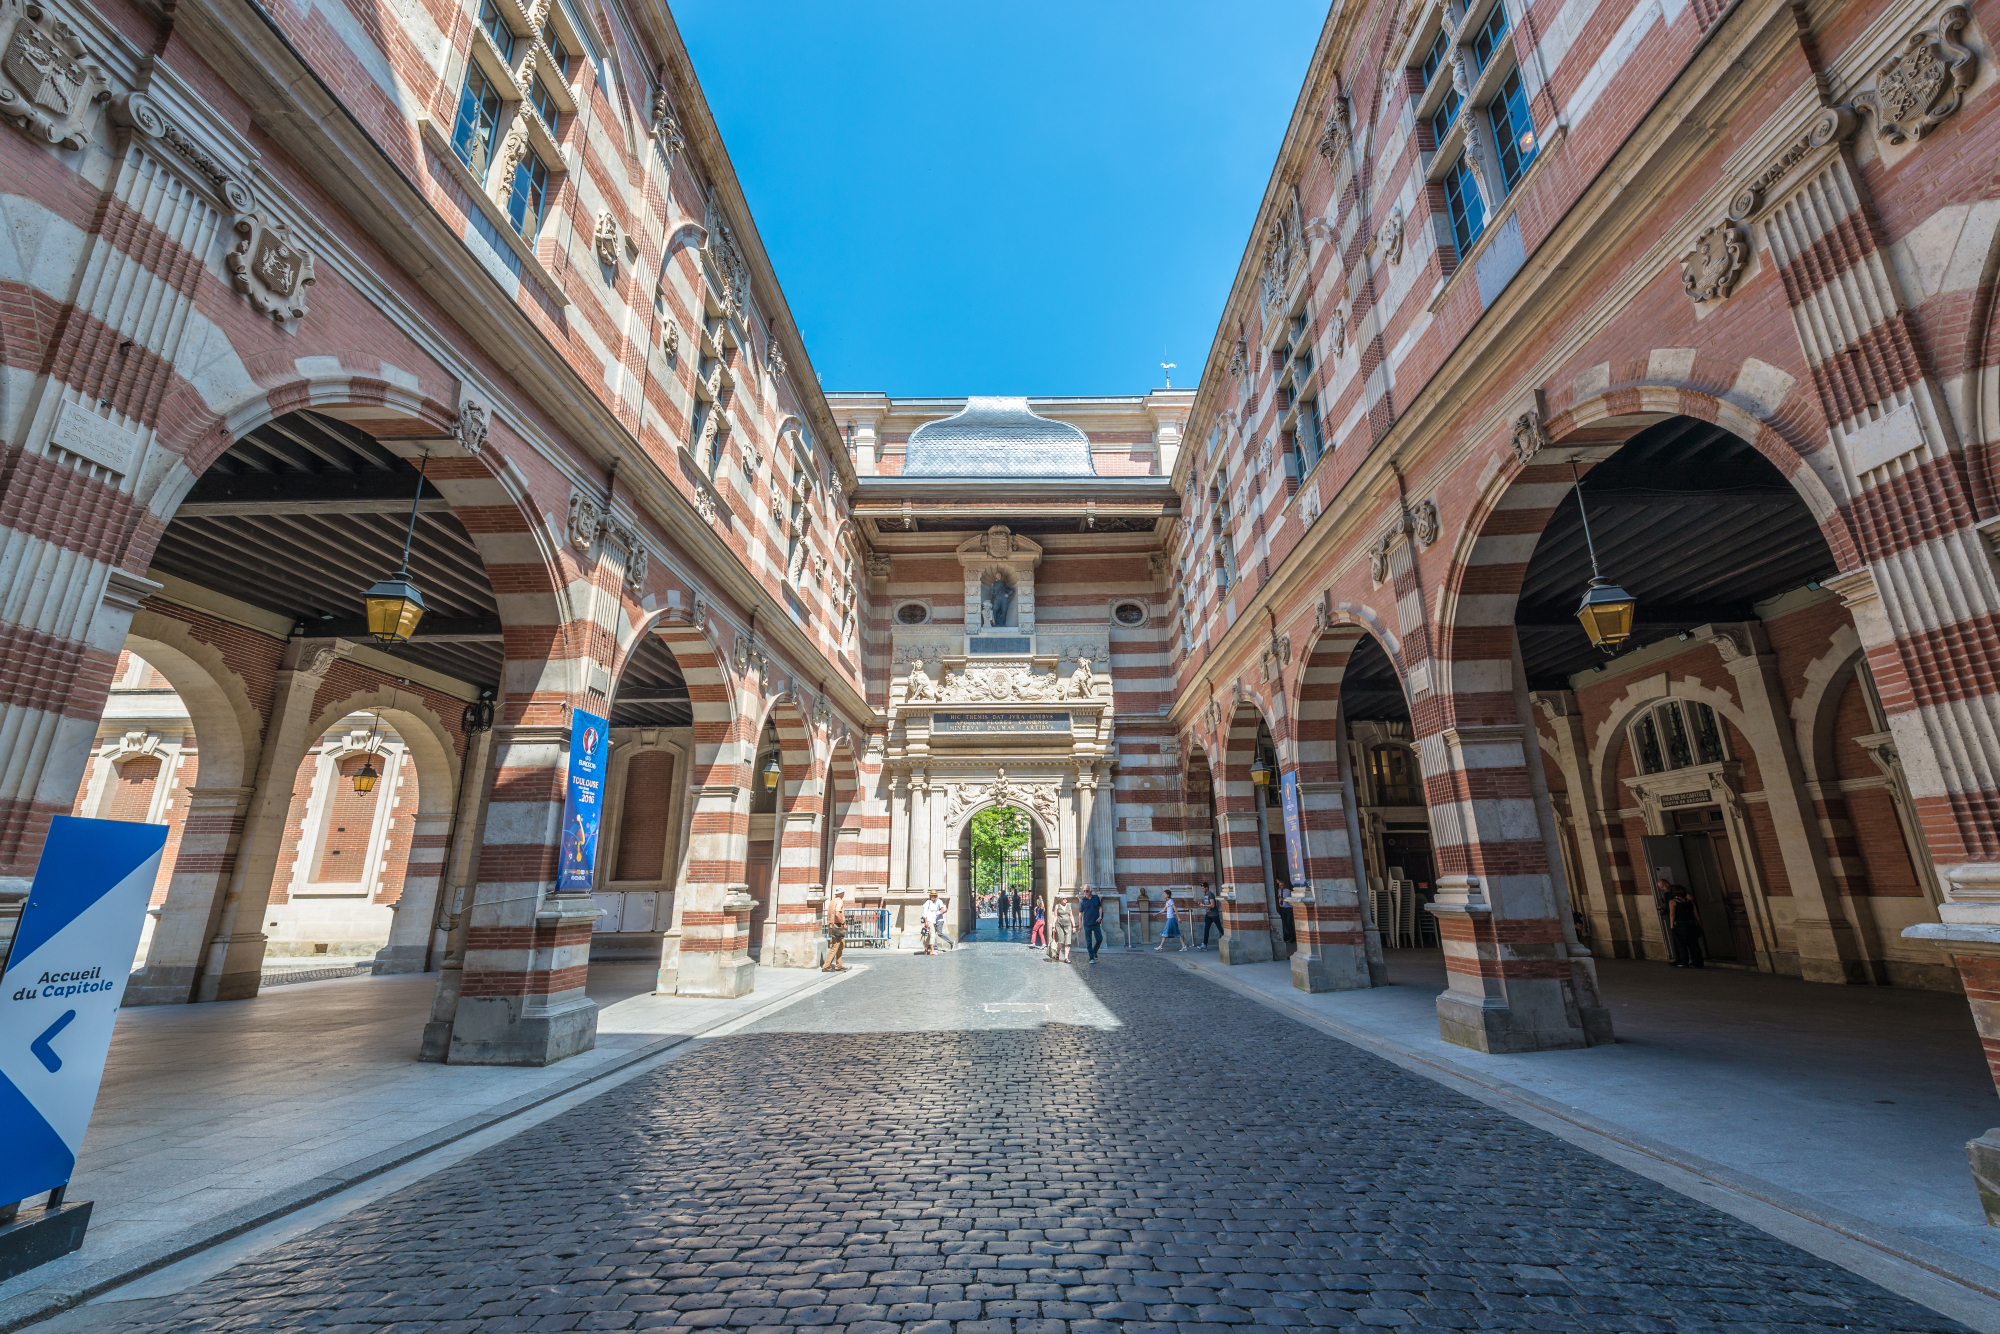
(642, 829)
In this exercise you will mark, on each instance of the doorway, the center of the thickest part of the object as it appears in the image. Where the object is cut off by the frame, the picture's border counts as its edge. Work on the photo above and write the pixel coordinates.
(1697, 854)
(999, 849)
(1406, 852)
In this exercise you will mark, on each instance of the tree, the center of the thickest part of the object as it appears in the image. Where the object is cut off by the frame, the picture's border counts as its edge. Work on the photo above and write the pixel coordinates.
(998, 835)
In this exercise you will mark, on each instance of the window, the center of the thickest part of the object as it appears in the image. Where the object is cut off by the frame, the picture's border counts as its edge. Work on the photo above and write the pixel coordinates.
(1675, 734)
(478, 121)
(496, 28)
(1437, 58)
(1312, 440)
(912, 613)
(1447, 111)
(1393, 774)
(1489, 37)
(1513, 130)
(529, 195)
(545, 105)
(557, 51)
(1462, 202)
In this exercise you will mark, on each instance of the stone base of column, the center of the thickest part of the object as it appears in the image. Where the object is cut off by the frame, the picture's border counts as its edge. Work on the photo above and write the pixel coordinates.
(1338, 968)
(716, 975)
(235, 968)
(1500, 1029)
(1515, 997)
(1975, 947)
(436, 1042)
(522, 1030)
(1241, 946)
(399, 959)
(794, 949)
(1984, 1154)
(160, 985)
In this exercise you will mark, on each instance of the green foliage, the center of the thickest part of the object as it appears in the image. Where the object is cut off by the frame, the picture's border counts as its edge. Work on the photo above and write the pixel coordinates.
(998, 836)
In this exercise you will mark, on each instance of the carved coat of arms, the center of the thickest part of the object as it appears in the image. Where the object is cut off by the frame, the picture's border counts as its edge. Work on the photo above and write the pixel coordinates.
(271, 268)
(1710, 269)
(1925, 83)
(48, 87)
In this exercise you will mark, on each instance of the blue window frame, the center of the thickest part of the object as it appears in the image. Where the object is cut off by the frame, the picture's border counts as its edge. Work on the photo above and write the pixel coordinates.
(1312, 442)
(1462, 201)
(1513, 130)
(545, 105)
(557, 50)
(529, 196)
(1437, 58)
(496, 28)
(1491, 33)
(478, 119)
(1447, 111)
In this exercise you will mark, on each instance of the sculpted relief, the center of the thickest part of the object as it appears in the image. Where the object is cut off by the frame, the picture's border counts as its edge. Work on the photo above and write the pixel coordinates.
(999, 685)
(48, 87)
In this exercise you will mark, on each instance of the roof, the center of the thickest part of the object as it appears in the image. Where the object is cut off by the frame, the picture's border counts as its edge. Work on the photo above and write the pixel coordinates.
(997, 437)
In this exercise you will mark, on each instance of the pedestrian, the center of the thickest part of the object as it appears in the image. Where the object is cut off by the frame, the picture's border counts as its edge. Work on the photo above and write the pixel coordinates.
(1211, 914)
(933, 921)
(1010, 910)
(836, 933)
(1061, 933)
(1172, 930)
(1091, 910)
(1685, 926)
(1037, 934)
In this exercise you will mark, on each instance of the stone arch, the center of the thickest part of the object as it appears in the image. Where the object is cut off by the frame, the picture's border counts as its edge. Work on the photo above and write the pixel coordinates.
(1818, 702)
(228, 725)
(428, 739)
(841, 848)
(1642, 694)
(1316, 686)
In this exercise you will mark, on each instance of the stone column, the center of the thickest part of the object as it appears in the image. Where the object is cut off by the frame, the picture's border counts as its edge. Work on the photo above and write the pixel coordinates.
(1822, 934)
(409, 944)
(715, 926)
(527, 948)
(467, 840)
(1105, 813)
(796, 938)
(1086, 819)
(1246, 919)
(211, 836)
(899, 831)
(1510, 984)
(954, 901)
(1333, 951)
(1371, 930)
(233, 959)
(923, 876)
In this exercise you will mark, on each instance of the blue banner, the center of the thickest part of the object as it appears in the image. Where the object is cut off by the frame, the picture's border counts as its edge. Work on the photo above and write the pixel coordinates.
(1295, 830)
(583, 806)
(59, 996)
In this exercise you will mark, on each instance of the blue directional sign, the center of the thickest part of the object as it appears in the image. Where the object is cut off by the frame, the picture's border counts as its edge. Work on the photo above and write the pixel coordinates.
(59, 996)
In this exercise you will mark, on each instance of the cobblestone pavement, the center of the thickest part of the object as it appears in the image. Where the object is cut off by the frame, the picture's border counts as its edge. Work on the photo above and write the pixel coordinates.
(1148, 1152)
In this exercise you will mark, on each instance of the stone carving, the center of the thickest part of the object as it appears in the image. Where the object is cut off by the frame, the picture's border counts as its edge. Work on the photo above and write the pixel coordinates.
(1334, 137)
(1424, 523)
(1732, 645)
(999, 543)
(665, 127)
(606, 238)
(730, 271)
(1339, 326)
(1212, 715)
(1528, 437)
(586, 520)
(1378, 558)
(670, 339)
(1828, 125)
(704, 505)
(1309, 507)
(637, 562)
(1082, 681)
(1390, 238)
(1239, 357)
(1282, 252)
(919, 686)
(878, 565)
(1924, 83)
(698, 616)
(1322, 618)
(822, 715)
(748, 657)
(819, 568)
(270, 268)
(46, 86)
(320, 658)
(1078, 652)
(1039, 798)
(774, 356)
(139, 113)
(469, 426)
(1711, 268)
(1277, 655)
(999, 685)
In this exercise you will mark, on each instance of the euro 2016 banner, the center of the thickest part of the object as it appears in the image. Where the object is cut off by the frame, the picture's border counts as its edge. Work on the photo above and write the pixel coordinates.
(59, 996)
(583, 806)
(1295, 833)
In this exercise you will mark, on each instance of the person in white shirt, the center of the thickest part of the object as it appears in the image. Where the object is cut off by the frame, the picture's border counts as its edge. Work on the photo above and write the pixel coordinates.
(933, 918)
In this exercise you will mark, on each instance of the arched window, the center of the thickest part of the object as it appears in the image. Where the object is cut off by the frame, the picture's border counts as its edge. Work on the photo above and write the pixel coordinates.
(1392, 771)
(1675, 734)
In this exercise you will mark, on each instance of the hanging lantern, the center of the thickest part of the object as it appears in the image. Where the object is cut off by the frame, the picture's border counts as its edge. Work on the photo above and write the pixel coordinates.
(1606, 613)
(1260, 772)
(394, 608)
(772, 773)
(394, 605)
(365, 776)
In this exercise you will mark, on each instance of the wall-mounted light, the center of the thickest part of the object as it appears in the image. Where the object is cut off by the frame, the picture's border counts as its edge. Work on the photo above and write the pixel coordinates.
(478, 716)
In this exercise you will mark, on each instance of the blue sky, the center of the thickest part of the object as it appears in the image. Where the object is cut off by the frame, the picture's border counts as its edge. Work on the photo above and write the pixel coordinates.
(1033, 198)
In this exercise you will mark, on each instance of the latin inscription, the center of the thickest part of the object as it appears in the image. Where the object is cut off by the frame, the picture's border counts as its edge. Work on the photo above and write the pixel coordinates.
(999, 722)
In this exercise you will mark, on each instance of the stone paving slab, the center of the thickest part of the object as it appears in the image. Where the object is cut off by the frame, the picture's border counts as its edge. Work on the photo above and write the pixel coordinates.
(1149, 1153)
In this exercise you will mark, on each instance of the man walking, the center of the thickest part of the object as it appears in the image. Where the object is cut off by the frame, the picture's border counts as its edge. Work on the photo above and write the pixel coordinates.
(1092, 909)
(933, 921)
(1211, 914)
(836, 933)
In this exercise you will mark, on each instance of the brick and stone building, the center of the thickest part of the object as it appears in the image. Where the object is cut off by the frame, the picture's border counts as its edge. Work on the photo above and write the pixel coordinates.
(297, 297)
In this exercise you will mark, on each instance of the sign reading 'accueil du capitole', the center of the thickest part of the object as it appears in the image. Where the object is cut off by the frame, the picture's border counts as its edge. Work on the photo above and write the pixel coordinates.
(945, 723)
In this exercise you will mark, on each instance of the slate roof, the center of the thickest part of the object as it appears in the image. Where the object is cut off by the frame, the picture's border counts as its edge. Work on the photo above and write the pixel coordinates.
(997, 437)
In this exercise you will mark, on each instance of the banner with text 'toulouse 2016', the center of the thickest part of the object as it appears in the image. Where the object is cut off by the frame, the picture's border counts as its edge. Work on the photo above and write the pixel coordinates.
(59, 996)
(583, 805)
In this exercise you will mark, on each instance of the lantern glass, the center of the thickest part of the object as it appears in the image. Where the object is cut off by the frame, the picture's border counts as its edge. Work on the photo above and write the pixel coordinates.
(364, 777)
(772, 773)
(1260, 774)
(1606, 613)
(394, 608)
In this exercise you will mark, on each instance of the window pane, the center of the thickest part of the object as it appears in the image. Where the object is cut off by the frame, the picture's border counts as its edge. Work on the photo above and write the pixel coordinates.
(1679, 753)
(556, 48)
(1447, 111)
(1647, 740)
(496, 28)
(1707, 736)
(529, 196)
(1513, 130)
(1487, 40)
(545, 104)
(478, 117)
(1468, 211)
(1315, 439)
(1437, 57)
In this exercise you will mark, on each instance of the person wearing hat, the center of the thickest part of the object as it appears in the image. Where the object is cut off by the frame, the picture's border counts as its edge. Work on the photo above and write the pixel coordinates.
(836, 933)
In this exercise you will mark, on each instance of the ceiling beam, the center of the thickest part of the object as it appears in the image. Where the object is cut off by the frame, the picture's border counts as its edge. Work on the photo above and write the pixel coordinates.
(224, 509)
(430, 630)
(1551, 616)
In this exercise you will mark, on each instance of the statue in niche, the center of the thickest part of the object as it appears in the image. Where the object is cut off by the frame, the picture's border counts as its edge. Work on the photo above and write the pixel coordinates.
(920, 684)
(999, 602)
